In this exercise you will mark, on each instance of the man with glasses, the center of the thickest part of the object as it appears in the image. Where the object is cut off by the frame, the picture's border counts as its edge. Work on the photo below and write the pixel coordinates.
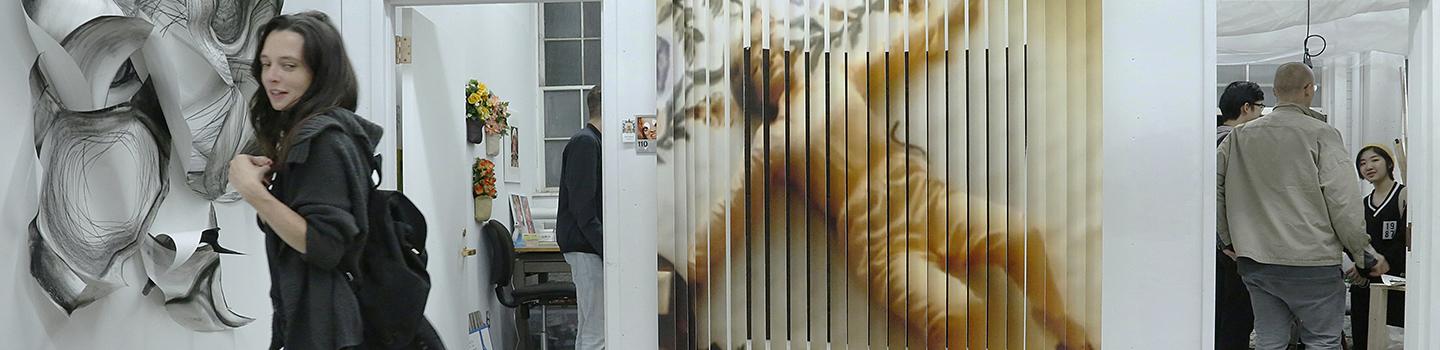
(1240, 104)
(1286, 205)
(1233, 318)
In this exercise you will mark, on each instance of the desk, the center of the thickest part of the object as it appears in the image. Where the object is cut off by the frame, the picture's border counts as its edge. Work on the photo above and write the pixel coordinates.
(521, 250)
(1379, 330)
(541, 261)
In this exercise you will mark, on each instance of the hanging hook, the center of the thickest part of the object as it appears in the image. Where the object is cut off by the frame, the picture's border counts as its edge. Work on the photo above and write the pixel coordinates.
(1308, 36)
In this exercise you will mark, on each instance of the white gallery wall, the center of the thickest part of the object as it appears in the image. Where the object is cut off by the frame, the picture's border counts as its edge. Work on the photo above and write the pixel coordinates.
(20, 322)
(1159, 182)
(498, 45)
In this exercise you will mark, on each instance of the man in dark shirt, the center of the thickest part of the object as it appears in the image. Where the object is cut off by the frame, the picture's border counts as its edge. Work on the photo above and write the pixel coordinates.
(578, 227)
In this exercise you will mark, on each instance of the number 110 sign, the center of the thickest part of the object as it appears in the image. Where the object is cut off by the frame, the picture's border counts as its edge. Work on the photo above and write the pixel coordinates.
(647, 132)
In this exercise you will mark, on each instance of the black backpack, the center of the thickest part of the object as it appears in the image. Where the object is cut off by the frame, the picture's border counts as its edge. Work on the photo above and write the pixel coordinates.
(389, 279)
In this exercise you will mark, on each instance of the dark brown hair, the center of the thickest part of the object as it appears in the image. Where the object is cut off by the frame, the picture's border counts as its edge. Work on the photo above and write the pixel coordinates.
(592, 102)
(333, 85)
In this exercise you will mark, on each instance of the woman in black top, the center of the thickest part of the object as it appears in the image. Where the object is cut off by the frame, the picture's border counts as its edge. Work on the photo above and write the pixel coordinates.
(1385, 208)
(314, 158)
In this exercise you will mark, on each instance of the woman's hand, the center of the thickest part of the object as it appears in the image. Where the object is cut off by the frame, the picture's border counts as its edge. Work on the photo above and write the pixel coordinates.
(248, 173)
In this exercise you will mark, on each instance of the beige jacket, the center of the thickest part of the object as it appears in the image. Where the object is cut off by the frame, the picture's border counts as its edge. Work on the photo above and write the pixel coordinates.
(1286, 191)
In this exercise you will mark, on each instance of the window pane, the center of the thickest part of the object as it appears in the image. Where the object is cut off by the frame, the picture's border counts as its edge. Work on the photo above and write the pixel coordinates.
(1219, 91)
(584, 108)
(554, 156)
(592, 19)
(592, 62)
(1263, 74)
(1227, 74)
(562, 63)
(562, 20)
(562, 113)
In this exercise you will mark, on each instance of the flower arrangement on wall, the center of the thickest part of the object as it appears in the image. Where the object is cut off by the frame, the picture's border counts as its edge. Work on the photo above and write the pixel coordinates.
(483, 188)
(482, 179)
(485, 111)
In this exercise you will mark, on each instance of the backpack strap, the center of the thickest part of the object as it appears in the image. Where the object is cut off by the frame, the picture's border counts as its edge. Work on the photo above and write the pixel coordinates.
(375, 161)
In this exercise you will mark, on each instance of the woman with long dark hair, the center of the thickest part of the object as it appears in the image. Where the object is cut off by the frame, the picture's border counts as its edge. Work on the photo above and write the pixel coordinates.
(309, 185)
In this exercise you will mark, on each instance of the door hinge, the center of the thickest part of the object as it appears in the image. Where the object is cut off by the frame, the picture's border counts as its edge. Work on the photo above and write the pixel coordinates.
(402, 49)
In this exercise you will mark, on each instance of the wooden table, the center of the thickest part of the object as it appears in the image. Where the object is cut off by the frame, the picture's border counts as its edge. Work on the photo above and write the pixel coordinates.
(1379, 307)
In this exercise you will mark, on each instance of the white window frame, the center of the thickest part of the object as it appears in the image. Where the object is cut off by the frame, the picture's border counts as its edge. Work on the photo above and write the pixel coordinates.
(542, 188)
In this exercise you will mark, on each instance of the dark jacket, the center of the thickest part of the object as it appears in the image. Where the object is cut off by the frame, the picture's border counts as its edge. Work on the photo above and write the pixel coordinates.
(326, 179)
(578, 226)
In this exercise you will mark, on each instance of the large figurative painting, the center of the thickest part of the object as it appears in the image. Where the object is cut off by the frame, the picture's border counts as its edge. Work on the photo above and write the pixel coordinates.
(879, 173)
(105, 142)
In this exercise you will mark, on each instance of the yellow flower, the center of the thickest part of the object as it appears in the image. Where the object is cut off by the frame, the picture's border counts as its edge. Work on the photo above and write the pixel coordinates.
(483, 88)
(474, 98)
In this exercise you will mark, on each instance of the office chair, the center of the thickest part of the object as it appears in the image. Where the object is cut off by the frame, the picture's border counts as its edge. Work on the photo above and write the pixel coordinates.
(522, 298)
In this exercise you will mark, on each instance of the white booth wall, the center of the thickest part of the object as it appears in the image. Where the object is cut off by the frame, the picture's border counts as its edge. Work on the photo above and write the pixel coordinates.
(1159, 189)
(628, 65)
(1422, 332)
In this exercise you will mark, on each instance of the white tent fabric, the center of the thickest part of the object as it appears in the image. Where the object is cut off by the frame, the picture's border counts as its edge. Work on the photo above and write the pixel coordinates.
(1240, 17)
(1362, 69)
(1255, 31)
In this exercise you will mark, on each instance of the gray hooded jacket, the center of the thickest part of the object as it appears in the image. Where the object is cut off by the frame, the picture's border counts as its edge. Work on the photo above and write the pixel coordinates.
(326, 179)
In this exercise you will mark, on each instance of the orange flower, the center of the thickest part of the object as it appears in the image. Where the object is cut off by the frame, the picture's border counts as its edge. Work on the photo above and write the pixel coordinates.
(482, 178)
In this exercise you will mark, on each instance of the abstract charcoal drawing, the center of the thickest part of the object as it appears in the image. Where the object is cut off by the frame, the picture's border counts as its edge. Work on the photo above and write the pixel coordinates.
(222, 33)
(104, 143)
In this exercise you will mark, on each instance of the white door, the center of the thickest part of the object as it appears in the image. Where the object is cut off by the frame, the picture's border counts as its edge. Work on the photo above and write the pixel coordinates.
(435, 174)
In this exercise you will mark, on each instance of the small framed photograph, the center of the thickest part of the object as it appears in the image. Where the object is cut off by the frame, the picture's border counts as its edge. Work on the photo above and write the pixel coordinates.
(522, 222)
(512, 162)
(627, 131)
(647, 132)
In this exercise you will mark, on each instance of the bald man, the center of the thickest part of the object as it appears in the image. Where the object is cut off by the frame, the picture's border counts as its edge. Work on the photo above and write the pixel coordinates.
(1286, 201)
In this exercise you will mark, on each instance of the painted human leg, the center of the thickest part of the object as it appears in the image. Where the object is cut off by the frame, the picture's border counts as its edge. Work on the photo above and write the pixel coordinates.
(909, 249)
